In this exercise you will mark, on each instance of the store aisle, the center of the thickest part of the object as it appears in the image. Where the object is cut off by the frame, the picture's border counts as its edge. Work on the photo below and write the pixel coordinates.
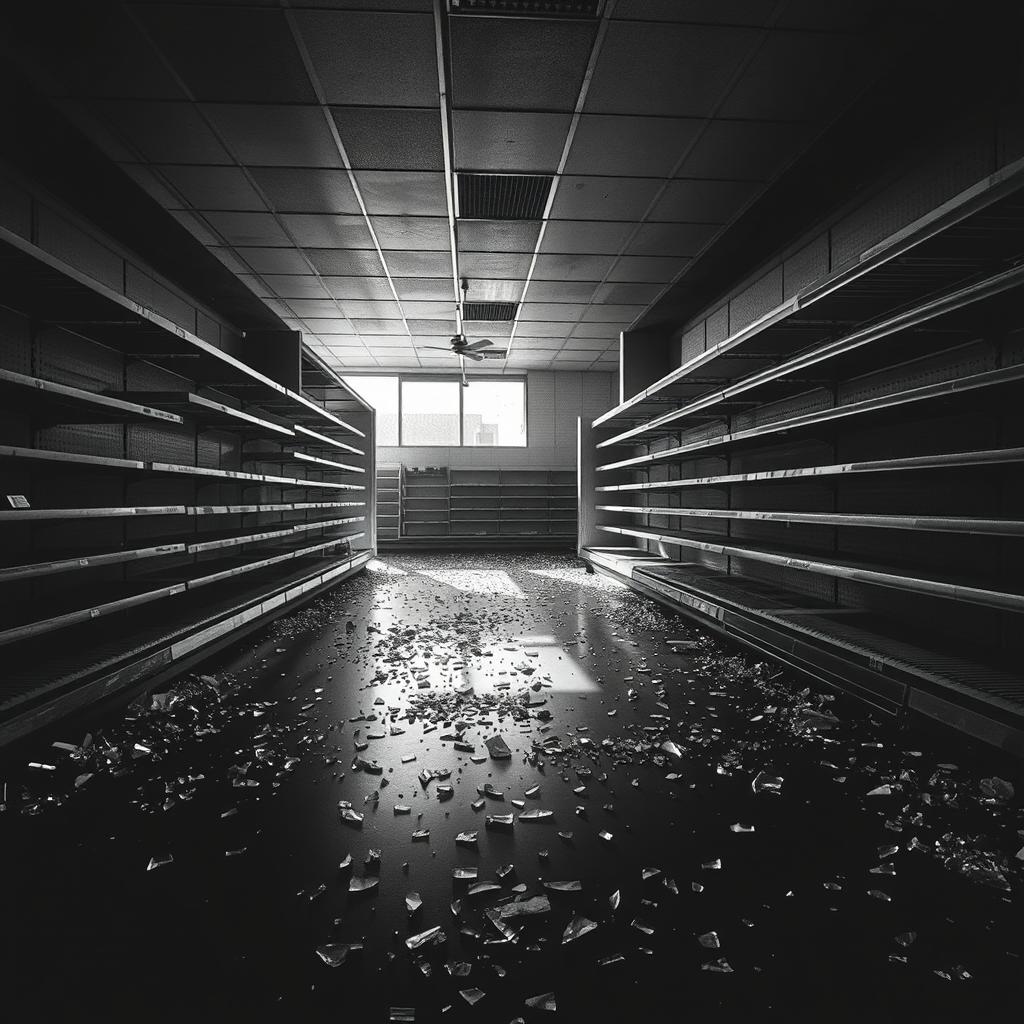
(740, 846)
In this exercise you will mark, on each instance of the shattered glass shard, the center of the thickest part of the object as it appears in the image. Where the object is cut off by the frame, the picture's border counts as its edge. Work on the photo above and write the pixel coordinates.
(709, 940)
(160, 861)
(362, 885)
(413, 902)
(615, 899)
(577, 928)
(546, 1001)
(719, 966)
(573, 886)
(765, 783)
(498, 748)
(525, 908)
(334, 954)
(535, 815)
(434, 936)
(466, 838)
(500, 821)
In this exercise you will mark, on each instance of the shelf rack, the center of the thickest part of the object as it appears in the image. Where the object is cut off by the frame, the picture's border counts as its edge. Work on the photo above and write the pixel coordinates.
(838, 482)
(163, 493)
(504, 507)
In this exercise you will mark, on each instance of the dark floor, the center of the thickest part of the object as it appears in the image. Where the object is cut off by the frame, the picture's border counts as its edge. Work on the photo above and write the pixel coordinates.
(809, 899)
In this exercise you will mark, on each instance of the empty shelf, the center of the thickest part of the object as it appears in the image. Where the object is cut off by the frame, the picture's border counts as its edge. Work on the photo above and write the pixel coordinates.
(25, 572)
(938, 524)
(211, 413)
(945, 389)
(826, 567)
(78, 405)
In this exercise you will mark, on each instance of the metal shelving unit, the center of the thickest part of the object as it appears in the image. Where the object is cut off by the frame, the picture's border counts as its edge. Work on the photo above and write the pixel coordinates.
(162, 493)
(838, 482)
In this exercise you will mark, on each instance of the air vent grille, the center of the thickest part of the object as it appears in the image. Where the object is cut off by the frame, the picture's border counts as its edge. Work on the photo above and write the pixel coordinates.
(503, 196)
(494, 353)
(528, 8)
(492, 312)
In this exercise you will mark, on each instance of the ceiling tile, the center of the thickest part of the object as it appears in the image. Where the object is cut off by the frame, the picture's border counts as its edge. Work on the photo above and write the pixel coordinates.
(420, 264)
(314, 308)
(511, 266)
(373, 58)
(652, 269)
(391, 139)
(322, 326)
(424, 288)
(589, 198)
(612, 314)
(551, 311)
(519, 63)
(229, 53)
(358, 287)
(678, 70)
(403, 193)
(306, 190)
(296, 286)
(750, 150)
(412, 233)
(547, 329)
(197, 225)
(339, 262)
(572, 236)
(561, 291)
(438, 326)
(598, 332)
(365, 326)
(538, 344)
(248, 228)
(168, 133)
(796, 75)
(328, 231)
(383, 309)
(627, 293)
(700, 201)
(630, 146)
(568, 267)
(672, 239)
(483, 289)
(497, 235)
(736, 12)
(275, 136)
(487, 140)
(213, 188)
(422, 310)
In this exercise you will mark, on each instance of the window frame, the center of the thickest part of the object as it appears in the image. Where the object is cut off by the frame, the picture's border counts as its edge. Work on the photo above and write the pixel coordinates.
(438, 378)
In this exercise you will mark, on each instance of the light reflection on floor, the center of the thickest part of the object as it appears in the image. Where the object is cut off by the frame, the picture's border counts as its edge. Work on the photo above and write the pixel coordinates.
(495, 582)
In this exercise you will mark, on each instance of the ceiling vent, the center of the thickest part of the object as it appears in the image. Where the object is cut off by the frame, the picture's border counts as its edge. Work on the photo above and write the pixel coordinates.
(528, 8)
(492, 312)
(503, 196)
(495, 353)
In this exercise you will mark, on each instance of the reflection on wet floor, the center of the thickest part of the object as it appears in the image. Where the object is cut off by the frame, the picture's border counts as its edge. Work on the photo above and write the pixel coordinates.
(493, 786)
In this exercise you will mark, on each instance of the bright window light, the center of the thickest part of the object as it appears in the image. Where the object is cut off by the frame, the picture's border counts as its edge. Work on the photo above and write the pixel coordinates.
(382, 394)
(494, 413)
(430, 412)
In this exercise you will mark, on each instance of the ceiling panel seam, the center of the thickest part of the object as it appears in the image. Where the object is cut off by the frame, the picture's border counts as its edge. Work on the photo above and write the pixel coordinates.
(332, 127)
(144, 31)
(595, 51)
(734, 80)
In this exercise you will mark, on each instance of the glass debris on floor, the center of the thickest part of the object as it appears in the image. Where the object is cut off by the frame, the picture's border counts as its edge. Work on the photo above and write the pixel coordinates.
(523, 775)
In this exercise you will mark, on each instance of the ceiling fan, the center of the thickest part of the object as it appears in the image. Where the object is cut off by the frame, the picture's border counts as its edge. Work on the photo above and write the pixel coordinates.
(465, 349)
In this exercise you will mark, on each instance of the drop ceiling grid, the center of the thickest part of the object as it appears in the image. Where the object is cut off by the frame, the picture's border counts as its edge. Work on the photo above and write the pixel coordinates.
(312, 162)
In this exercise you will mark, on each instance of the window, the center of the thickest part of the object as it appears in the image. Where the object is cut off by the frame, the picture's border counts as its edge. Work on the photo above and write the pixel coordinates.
(382, 394)
(430, 412)
(438, 411)
(494, 413)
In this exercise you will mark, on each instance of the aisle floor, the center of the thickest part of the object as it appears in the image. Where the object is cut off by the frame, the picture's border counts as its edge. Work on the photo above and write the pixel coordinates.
(738, 846)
